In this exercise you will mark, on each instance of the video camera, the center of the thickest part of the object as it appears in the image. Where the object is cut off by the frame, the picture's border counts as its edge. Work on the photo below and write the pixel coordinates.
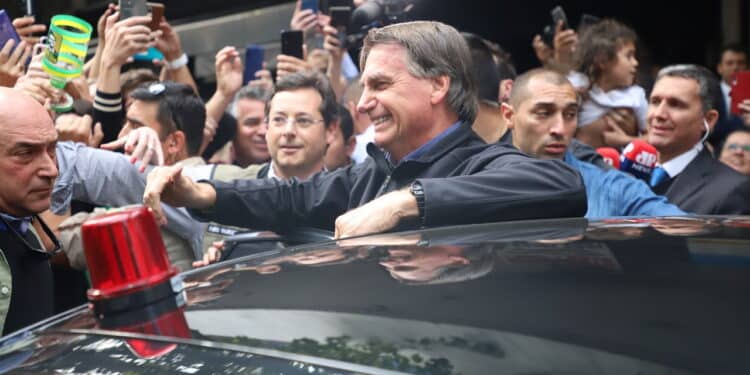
(376, 13)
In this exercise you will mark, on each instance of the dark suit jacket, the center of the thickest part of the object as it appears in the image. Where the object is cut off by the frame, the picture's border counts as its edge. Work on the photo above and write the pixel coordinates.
(707, 186)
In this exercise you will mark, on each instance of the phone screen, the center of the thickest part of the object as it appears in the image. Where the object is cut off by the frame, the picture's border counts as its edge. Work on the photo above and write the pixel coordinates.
(254, 55)
(291, 43)
(132, 8)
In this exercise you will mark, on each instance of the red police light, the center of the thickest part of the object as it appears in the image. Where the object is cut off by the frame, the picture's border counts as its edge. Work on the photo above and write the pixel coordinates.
(125, 253)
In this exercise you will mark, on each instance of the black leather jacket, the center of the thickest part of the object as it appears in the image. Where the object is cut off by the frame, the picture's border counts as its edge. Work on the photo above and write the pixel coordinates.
(464, 181)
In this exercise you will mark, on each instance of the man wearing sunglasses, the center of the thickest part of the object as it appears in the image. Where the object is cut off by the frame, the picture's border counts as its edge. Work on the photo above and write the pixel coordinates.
(28, 169)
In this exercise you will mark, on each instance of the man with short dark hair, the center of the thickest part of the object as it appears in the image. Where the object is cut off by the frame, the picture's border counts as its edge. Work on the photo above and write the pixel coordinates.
(489, 124)
(428, 168)
(543, 114)
(733, 60)
(301, 119)
(174, 112)
(249, 143)
(339, 153)
(682, 111)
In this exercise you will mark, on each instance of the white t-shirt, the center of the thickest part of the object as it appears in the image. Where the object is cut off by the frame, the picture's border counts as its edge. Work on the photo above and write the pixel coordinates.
(600, 102)
(360, 150)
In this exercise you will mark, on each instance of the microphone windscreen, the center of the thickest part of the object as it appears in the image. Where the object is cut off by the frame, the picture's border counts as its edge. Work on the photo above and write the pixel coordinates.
(610, 155)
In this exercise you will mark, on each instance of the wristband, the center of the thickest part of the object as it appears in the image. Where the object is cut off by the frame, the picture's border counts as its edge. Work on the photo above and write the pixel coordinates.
(178, 62)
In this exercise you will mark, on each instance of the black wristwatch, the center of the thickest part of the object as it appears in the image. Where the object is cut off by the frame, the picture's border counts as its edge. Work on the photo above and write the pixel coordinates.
(418, 192)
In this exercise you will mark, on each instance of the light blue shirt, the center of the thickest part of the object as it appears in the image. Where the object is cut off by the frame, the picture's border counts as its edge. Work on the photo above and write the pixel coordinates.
(106, 178)
(427, 146)
(612, 193)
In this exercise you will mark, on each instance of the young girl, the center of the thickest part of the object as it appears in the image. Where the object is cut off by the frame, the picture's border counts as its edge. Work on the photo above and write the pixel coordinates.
(614, 108)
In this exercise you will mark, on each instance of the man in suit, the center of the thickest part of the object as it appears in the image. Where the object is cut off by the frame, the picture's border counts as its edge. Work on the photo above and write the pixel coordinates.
(682, 111)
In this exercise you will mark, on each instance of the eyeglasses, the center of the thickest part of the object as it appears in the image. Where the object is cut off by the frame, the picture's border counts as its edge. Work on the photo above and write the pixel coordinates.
(300, 122)
(35, 250)
(737, 146)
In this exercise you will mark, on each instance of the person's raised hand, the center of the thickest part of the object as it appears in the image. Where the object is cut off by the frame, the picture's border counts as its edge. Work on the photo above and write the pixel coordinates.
(101, 24)
(744, 107)
(13, 61)
(168, 42)
(26, 28)
(303, 19)
(565, 44)
(332, 43)
(286, 65)
(72, 127)
(229, 71)
(262, 78)
(126, 38)
(142, 144)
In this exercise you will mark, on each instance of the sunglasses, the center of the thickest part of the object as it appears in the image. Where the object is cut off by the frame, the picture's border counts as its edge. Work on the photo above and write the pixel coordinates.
(737, 146)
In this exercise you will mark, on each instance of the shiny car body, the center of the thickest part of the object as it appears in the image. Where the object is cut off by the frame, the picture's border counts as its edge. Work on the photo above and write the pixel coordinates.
(647, 296)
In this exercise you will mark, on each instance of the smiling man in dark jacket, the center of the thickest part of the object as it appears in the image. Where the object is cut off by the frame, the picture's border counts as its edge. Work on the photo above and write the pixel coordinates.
(427, 166)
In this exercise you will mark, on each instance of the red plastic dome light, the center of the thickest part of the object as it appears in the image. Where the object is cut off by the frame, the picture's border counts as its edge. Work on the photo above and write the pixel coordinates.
(125, 254)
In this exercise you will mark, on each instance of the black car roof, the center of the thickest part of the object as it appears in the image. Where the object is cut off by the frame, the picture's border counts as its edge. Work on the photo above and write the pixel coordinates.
(629, 294)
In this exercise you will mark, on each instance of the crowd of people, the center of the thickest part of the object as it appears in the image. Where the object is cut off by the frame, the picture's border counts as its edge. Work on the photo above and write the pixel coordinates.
(435, 127)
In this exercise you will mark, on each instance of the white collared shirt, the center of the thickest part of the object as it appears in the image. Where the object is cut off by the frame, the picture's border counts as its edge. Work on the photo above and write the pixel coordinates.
(272, 172)
(678, 164)
(725, 89)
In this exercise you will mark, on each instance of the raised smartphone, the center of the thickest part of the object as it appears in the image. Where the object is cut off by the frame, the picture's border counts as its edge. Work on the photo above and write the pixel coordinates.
(254, 55)
(291, 43)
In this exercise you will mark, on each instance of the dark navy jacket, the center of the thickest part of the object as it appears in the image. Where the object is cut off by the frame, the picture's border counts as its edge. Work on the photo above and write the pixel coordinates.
(464, 181)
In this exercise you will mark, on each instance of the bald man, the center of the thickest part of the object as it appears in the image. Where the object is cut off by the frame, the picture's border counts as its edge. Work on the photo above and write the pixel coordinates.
(542, 115)
(28, 169)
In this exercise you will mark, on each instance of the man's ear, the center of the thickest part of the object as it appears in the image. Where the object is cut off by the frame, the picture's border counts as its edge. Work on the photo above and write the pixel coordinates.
(350, 145)
(176, 143)
(711, 117)
(331, 132)
(507, 113)
(440, 86)
(505, 88)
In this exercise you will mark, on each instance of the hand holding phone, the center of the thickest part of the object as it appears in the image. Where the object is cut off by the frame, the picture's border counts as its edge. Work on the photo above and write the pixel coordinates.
(558, 16)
